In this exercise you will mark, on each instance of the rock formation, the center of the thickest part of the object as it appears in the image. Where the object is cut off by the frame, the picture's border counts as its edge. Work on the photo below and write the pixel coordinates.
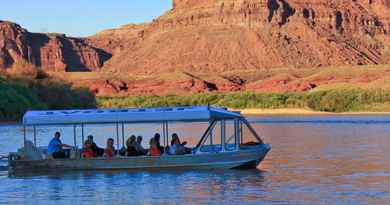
(51, 52)
(228, 35)
(218, 37)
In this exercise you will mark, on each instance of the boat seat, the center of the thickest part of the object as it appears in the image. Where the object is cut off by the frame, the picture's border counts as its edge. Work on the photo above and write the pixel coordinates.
(31, 152)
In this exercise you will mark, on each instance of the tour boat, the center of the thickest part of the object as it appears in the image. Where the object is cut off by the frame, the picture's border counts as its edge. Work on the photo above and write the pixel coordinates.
(221, 146)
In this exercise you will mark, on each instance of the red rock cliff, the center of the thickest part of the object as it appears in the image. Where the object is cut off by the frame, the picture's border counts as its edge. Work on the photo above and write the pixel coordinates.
(224, 35)
(51, 52)
(219, 35)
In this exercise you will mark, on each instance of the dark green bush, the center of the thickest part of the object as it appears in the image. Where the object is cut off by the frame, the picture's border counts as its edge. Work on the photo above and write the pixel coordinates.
(19, 95)
(15, 99)
(58, 95)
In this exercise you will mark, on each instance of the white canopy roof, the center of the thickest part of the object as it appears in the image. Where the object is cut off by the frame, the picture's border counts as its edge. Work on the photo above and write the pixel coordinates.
(93, 116)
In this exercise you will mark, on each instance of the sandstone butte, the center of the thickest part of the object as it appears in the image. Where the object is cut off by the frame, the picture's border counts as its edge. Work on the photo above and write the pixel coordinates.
(215, 37)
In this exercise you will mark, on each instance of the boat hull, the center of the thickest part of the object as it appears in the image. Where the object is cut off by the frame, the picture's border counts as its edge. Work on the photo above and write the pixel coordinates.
(221, 160)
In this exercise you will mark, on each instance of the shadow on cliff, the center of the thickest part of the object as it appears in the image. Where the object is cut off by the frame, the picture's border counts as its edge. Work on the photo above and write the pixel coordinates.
(66, 46)
(274, 6)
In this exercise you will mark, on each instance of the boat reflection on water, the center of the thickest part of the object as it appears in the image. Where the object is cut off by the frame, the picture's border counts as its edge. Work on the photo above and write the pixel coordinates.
(190, 187)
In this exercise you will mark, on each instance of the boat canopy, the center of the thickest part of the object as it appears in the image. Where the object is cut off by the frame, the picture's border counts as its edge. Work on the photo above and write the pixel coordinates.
(133, 115)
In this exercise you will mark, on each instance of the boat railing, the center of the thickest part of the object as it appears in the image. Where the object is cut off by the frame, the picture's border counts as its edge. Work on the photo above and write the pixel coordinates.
(217, 148)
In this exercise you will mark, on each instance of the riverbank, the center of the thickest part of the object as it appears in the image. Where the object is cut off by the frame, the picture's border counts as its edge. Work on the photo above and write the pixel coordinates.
(20, 95)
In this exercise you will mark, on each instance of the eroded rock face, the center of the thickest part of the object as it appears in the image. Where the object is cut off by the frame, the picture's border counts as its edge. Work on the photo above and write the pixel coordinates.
(51, 52)
(228, 35)
(216, 37)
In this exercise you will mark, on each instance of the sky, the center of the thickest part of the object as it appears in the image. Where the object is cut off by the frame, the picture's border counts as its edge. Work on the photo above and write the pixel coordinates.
(80, 18)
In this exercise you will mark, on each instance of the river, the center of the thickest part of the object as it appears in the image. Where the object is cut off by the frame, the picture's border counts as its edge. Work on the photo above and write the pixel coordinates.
(314, 160)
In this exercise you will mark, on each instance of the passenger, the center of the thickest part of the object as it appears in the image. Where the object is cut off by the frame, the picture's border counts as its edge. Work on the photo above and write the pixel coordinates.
(140, 149)
(154, 150)
(88, 153)
(122, 151)
(157, 139)
(178, 148)
(97, 150)
(109, 152)
(131, 145)
(55, 147)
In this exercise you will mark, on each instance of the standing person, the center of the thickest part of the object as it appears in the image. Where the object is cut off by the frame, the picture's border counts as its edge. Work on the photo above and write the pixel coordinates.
(109, 152)
(157, 139)
(55, 147)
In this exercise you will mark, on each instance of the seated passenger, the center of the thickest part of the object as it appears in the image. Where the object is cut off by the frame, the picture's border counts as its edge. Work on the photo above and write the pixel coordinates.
(122, 151)
(140, 149)
(154, 150)
(178, 148)
(109, 152)
(131, 145)
(55, 147)
(88, 152)
(97, 150)
(157, 139)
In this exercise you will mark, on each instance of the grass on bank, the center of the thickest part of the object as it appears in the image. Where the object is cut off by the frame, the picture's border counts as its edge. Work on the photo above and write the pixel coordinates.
(344, 100)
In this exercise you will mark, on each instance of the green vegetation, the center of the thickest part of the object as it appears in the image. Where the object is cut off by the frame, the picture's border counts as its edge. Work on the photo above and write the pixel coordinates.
(15, 99)
(343, 100)
(18, 95)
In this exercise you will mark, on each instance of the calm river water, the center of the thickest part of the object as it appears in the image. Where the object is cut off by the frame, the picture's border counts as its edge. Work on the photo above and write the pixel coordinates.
(314, 160)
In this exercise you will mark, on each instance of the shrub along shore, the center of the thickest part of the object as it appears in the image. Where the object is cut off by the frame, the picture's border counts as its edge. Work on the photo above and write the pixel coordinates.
(19, 95)
(334, 101)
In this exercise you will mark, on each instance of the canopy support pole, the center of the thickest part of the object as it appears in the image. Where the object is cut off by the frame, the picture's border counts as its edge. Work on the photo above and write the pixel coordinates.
(223, 135)
(252, 130)
(123, 134)
(241, 134)
(74, 136)
(205, 135)
(211, 134)
(82, 140)
(117, 139)
(163, 134)
(237, 134)
(24, 136)
(82, 135)
(35, 135)
(167, 133)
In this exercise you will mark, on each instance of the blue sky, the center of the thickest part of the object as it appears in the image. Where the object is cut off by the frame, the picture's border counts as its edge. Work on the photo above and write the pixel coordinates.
(80, 17)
